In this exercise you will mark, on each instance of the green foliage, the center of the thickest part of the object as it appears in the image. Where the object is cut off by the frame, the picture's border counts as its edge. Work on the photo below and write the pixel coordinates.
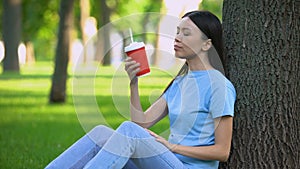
(95, 9)
(34, 17)
(125, 8)
(121, 9)
(34, 132)
(77, 19)
(40, 21)
(214, 6)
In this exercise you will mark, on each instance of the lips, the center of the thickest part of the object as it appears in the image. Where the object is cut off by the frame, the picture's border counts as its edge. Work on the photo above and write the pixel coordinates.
(177, 47)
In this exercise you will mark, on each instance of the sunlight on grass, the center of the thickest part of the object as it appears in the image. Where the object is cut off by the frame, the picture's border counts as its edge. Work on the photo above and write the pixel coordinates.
(34, 132)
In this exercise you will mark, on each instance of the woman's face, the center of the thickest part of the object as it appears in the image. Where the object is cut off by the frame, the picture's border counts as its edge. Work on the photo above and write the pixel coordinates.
(189, 40)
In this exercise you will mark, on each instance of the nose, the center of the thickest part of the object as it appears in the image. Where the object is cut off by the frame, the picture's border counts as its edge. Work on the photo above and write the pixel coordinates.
(178, 38)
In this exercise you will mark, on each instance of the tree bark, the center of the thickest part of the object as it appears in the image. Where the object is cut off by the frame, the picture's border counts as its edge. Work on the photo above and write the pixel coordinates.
(84, 14)
(30, 57)
(262, 45)
(59, 78)
(11, 34)
(105, 36)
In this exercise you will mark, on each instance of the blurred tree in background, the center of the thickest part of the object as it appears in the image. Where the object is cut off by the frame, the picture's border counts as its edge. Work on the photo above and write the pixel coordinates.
(39, 24)
(59, 78)
(1, 21)
(34, 24)
(11, 34)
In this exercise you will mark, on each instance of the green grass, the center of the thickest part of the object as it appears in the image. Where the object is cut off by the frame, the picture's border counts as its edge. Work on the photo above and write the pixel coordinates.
(33, 132)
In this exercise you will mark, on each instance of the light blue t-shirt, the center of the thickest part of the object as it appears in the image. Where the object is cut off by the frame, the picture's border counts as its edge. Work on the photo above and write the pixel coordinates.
(194, 100)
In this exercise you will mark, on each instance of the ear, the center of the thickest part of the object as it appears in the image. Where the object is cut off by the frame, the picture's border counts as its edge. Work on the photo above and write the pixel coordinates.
(207, 45)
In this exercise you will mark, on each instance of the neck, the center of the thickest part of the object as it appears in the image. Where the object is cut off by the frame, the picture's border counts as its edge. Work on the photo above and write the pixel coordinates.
(199, 63)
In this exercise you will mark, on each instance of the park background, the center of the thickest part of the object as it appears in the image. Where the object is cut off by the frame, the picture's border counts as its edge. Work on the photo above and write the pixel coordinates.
(38, 116)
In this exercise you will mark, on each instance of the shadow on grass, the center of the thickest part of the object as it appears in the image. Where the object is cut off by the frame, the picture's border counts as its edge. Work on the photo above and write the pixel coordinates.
(34, 132)
(33, 136)
(34, 143)
(19, 76)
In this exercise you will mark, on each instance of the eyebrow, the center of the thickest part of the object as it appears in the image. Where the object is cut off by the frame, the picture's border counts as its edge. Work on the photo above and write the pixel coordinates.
(184, 28)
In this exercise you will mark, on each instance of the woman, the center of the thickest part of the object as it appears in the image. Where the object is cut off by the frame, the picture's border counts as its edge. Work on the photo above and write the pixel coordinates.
(199, 103)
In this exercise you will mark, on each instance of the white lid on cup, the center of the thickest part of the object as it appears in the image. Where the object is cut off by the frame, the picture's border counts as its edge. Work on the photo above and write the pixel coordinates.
(134, 46)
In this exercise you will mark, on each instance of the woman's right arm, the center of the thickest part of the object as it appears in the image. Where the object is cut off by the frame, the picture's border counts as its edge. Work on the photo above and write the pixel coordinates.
(155, 112)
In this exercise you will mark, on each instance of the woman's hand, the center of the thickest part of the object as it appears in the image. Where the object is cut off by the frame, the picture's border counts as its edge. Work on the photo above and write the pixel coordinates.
(162, 140)
(132, 68)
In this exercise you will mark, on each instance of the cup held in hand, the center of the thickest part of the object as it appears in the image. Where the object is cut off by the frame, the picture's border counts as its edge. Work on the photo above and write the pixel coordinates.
(137, 52)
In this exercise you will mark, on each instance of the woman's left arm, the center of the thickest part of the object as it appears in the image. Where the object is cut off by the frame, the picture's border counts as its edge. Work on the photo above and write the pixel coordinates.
(219, 151)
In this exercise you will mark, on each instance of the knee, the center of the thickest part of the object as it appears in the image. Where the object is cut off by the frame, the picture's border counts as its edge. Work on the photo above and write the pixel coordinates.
(132, 129)
(129, 125)
(100, 130)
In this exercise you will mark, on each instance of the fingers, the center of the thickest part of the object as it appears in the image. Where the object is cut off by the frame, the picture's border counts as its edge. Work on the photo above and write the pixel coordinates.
(156, 136)
(130, 64)
(135, 67)
(152, 133)
(128, 59)
(131, 67)
(162, 140)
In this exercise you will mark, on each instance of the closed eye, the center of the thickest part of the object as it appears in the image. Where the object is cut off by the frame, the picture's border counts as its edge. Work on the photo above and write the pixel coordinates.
(185, 31)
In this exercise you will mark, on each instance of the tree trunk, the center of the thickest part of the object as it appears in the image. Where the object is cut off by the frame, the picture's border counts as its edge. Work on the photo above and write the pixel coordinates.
(11, 34)
(84, 14)
(262, 45)
(30, 57)
(105, 35)
(59, 78)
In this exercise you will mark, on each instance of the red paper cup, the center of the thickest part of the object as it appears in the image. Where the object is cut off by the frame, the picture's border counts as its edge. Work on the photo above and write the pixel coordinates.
(137, 52)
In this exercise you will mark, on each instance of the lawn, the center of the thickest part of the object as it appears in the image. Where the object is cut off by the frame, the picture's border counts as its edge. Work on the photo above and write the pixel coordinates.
(33, 132)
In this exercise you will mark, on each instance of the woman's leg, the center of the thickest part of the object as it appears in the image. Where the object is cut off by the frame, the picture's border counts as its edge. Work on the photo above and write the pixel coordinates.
(131, 141)
(83, 150)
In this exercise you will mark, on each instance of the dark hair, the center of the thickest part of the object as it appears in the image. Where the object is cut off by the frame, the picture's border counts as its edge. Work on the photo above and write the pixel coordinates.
(211, 26)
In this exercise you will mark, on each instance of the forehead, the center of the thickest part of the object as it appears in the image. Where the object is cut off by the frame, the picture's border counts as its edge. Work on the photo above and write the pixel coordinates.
(186, 22)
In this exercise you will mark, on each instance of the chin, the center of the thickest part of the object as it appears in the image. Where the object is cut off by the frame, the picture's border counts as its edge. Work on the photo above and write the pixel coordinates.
(180, 56)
